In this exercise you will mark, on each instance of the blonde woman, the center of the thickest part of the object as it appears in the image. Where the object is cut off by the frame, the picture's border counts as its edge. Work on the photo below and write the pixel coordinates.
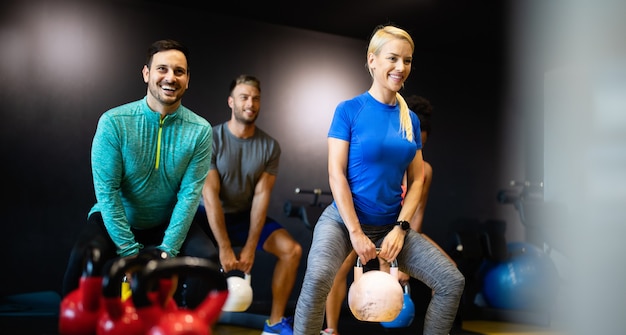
(373, 140)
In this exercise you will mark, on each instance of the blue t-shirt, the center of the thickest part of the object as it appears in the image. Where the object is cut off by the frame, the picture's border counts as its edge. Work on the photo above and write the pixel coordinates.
(378, 155)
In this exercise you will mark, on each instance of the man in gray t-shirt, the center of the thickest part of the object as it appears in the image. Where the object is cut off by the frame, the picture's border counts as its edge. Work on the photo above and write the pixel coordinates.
(236, 195)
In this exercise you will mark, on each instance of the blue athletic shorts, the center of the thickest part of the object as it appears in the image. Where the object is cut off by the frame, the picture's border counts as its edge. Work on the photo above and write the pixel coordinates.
(238, 227)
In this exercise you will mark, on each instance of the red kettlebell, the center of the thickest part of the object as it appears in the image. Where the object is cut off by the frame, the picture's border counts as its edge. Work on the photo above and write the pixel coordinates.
(185, 321)
(121, 316)
(80, 309)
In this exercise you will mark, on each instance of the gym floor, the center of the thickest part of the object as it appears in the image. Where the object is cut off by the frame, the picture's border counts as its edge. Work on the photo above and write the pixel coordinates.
(490, 322)
(21, 316)
(469, 327)
(48, 326)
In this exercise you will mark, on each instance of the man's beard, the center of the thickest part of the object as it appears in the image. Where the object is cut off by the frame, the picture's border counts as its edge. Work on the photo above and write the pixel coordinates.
(241, 119)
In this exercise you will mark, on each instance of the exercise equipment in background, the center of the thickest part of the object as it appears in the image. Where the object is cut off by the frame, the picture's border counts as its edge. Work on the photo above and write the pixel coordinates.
(239, 292)
(527, 280)
(308, 213)
(542, 219)
(514, 282)
(531, 277)
(375, 295)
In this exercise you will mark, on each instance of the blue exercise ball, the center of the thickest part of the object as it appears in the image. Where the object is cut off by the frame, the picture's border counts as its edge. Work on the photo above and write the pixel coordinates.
(528, 280)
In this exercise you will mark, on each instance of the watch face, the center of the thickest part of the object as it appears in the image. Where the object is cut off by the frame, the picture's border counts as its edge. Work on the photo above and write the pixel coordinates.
(405, 225)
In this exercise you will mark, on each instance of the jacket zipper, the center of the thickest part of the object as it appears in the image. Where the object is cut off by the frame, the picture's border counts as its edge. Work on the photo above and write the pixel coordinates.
(158, 152)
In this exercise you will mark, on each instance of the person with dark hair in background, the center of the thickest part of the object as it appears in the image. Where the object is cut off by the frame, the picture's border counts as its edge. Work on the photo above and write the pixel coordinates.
(236, 196)
(149, 160)
(371, 145)
(423, 108)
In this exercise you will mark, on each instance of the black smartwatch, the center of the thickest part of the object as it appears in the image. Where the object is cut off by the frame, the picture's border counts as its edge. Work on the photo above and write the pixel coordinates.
(405, 225)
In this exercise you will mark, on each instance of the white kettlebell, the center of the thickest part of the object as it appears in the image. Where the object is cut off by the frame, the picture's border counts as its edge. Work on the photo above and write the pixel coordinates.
(239, 293)
(375, 295)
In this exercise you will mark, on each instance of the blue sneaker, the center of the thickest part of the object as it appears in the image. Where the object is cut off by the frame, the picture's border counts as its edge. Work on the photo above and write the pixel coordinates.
(283, 327)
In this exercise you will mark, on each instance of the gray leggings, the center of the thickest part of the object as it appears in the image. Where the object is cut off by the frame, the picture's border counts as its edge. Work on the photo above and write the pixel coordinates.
(419, 258)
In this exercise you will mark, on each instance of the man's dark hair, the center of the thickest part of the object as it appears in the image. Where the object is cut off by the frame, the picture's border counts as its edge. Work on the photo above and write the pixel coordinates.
(422, 107)
(244, 79)
(164, 45)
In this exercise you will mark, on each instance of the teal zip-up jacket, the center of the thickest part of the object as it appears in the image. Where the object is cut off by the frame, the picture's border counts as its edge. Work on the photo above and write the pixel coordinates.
(148, 171)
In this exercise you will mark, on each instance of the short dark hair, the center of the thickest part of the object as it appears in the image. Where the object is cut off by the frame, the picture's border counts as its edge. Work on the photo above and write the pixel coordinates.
(423, 108)
(245, 79)
(167, 44)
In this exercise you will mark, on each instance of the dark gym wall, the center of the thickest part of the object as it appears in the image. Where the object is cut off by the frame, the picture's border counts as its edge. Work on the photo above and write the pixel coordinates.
(66, 62)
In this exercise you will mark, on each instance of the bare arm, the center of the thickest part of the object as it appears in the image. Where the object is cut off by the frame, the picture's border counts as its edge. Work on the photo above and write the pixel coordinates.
(418, 218)
(215, 216)
(342, 195)
(394, 241)
(415, 186)
(258, 214)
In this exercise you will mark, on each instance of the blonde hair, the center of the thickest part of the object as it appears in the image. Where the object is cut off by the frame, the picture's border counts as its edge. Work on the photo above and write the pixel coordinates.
(382, 35)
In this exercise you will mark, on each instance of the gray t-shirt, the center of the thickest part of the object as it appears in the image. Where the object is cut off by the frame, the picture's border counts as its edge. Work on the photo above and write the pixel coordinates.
(240, 163)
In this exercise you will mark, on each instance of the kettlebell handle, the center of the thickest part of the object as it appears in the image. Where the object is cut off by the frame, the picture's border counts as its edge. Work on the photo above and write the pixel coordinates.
(92, 262)
(111, 282)
(175, 266)
(246, 276)
(358, 268)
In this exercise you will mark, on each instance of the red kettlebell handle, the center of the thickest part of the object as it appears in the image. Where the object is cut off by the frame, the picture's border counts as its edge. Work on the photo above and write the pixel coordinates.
(80, 309)
(92, 266)
(196, 321)
(111, 287)
(92, 269)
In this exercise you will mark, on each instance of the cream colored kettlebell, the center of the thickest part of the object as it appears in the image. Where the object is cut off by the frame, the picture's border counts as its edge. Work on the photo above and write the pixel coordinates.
(239, 293)
(375, 295)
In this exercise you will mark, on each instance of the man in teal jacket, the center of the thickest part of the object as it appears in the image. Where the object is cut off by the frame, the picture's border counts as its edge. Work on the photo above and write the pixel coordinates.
(149, 161)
